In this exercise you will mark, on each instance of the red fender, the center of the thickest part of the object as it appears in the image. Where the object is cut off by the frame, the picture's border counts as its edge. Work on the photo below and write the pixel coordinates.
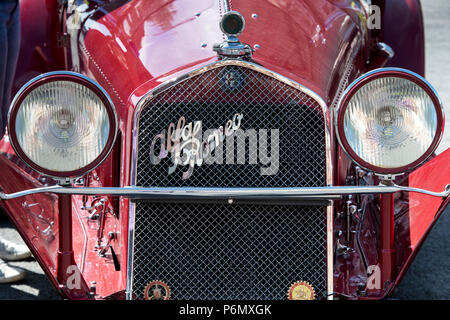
(39, 49)
(401, 15)
(424, 210)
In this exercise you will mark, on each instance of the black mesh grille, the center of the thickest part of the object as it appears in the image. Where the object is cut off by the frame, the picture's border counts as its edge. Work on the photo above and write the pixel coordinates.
(266, 104)
(212, 251)
(217, 251)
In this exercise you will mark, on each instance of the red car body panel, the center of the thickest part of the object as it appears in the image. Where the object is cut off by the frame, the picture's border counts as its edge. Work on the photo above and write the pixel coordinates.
(409, 12)
(39, 51)
(321, 44)
(422, 208)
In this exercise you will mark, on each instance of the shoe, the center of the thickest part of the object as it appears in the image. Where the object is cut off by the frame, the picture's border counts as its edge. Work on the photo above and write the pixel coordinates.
(12, 252)
(9, 274)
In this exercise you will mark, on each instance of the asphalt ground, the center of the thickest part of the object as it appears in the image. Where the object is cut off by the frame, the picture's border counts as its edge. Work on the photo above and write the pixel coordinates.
(428, 277)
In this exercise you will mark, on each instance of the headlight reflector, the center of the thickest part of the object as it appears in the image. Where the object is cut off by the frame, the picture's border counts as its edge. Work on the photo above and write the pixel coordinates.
(390, 121)
(62, 124)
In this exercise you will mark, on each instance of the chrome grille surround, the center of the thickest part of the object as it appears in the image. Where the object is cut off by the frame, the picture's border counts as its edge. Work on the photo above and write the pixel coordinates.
(254, 67)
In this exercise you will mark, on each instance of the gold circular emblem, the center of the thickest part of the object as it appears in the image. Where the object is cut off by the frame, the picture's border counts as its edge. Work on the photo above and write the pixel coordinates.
(157, 290)
(301, 290)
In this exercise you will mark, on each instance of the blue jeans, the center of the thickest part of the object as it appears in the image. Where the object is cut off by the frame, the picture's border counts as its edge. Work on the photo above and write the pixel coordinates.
(9, 51)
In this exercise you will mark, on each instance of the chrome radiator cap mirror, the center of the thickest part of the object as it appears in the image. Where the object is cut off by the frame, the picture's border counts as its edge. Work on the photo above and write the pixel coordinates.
(232, 24)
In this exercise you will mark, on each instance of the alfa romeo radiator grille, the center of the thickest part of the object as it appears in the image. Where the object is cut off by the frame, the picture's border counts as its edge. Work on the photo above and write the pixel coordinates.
(227, 127)
(270, 110)
(213, 251)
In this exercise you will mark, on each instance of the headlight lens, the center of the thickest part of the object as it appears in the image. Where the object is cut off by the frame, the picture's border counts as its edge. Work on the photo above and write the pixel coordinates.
(390, 121)
(62, 125)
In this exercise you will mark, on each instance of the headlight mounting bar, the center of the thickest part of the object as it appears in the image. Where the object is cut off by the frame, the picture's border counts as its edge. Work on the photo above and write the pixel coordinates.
(155, 193)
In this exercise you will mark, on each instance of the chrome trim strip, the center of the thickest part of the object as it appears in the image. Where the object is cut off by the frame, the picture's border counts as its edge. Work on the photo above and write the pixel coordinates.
(245, 64)
(226, 6)
(130, 257)
(330, 251)
(224, 193)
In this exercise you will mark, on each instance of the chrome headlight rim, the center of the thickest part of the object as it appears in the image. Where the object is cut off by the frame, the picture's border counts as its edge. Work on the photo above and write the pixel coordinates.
(385, 73)
(69, 76)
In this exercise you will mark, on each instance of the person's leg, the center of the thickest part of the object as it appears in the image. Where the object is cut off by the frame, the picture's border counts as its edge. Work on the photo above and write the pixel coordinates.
(10, 43)
(9, 274)
(12, 251)
(9, 49)
(13, 45)
(4, 17)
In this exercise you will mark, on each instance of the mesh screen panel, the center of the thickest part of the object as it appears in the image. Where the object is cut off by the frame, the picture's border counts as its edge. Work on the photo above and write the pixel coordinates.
(213, 251)
(217, 251)
(265, 104)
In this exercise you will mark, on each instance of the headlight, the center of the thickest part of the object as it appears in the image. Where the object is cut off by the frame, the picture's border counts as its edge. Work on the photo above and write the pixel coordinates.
(390, 121)
(62, 124)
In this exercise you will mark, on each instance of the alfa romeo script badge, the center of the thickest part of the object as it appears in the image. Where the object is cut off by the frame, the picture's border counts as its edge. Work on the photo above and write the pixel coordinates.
(157, 290)
(301, 290)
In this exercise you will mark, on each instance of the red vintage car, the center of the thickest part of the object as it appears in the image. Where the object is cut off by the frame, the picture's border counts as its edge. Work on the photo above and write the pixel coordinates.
(218, 149)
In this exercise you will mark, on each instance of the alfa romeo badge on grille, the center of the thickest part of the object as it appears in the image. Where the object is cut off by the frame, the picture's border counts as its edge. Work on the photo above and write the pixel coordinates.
(301, 290)
(232, 79)
(157, 290)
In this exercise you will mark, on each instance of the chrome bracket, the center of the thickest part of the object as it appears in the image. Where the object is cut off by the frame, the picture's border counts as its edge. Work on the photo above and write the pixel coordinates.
(232, 48)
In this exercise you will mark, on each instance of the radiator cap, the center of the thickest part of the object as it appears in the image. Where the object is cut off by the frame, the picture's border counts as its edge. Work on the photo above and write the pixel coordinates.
(232, 24)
